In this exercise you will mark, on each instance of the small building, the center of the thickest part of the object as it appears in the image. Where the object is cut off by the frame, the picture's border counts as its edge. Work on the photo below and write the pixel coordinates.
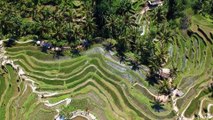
(177, 93)
(53, 49)
(58, 49)
(165, 72)
(47, 45)
(155, 3)
(38, 42)
(42, 43)
(162, 98)
(79, 47)
(60, 117)
(66, 47)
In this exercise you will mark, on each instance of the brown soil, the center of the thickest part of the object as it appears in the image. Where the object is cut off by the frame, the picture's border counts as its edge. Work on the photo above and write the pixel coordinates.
(79, 118)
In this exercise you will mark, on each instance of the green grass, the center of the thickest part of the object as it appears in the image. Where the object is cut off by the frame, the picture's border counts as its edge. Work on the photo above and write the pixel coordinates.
(200, 20)
(2, 112)
(2, 86)
(211, 110)
(76, 104)
(94, 61)
(195, 102)
(12, 84)
(10, 92)
(92, 72)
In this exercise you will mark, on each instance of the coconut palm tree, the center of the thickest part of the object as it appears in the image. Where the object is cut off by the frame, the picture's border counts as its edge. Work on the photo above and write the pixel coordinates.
(90, 27)
(165, 87)
(109, 28)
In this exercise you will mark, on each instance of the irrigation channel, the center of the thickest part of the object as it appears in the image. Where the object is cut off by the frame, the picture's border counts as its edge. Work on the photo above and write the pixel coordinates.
(116, 91)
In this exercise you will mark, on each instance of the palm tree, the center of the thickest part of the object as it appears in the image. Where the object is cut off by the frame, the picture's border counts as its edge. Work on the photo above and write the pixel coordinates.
(123, 45)
(165, 87)
(110, 44)
(133, 59)
(90, 27)
(125, 6)
(174, 70)
(10, 42)
(160, 16)
(164, 35)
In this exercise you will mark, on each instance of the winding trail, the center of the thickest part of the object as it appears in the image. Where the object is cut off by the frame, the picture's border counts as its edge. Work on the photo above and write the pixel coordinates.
(200, 110)
(84, 114)
(145, 9)
(67, 101)
(23, 75)
(182, 114)
(124, 67)
(209, 115)
(174, 101)
(146, 89)
(31, 83)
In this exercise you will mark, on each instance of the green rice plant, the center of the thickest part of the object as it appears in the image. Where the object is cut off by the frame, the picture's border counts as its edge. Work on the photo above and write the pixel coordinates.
(2, 85)
(196, 101)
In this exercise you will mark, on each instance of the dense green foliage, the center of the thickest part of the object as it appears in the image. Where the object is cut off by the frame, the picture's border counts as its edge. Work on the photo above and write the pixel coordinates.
(68, 22)
(60, 22)
(178, 36)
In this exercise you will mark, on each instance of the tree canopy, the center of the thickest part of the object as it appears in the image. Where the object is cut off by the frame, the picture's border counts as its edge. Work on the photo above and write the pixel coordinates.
(68, 22)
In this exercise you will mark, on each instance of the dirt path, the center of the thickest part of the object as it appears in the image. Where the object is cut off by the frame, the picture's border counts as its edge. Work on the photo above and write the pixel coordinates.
(174, 99)
(67, 102)
(31, 83)
(124, 67)
(200, 110)
(143, 11)
(182, 114)
(209, 115)
(84, 114)
(22, 74)
(6, 82)
(146, 89)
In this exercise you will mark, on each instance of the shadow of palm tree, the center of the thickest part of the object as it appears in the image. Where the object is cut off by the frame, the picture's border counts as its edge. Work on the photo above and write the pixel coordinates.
(44, 49)
(58, 54)
(157, 106)
(107, 47)
(153, 79)
(121, 56)
(135, 65)
(10, 42)
(75, 52)
(210, 88)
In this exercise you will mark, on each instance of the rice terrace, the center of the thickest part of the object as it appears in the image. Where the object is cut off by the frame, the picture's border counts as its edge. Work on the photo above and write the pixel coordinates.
(106, 60)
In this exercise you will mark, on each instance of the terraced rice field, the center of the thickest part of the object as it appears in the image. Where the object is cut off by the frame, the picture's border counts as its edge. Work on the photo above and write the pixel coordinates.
(96, 82)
